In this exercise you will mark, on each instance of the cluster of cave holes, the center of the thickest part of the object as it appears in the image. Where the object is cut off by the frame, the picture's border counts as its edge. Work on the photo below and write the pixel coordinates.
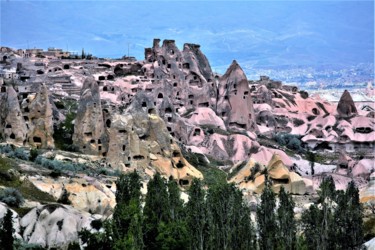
(54, 69)
(106, 88)
(364, 130)
(109, 77)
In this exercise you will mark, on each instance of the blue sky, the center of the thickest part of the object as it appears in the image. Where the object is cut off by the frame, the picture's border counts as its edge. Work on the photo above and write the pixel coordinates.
(258, 33)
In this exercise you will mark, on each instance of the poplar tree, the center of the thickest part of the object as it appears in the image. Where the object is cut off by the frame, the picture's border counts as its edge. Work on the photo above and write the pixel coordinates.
(196, 214)
(348, 228)
(6, 231)
(286, 221)
(311, 221)
(229, 224)
(173, 234)
(127, 217)
(318, 221)
(156, 210)
(266, 219)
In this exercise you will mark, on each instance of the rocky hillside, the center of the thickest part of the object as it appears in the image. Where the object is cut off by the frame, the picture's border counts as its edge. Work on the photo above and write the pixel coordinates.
(69, 127)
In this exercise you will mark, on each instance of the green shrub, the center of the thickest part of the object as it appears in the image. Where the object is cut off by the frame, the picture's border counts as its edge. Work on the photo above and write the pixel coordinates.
(22, 245)
(33, 154)
(20, 153)
(279, 138)
(6, 149)
(292, 142)
(253, 172)
(12, 197)
(59, 167)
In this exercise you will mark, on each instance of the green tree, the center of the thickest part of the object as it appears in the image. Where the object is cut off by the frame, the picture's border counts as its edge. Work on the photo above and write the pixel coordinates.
(124, 231)
(266, 218)
(318, 221)
(6, 231)
(83, 55)
(176, 205)
(311, 221)
(173, 234)
(244, 236)
(100, 240)
(229, 224)
(127, 217)
(286, 221)
(156, 210)
(196, 215)
(327, 189)
(311, 157)
(348, 227)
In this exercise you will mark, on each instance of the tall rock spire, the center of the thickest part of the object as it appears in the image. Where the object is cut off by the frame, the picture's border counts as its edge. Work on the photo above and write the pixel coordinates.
(346, 107)
(234, 102)
(89, 132)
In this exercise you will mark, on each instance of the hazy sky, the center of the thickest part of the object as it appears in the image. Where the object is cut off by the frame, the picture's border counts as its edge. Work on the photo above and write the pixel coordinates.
(259, 33)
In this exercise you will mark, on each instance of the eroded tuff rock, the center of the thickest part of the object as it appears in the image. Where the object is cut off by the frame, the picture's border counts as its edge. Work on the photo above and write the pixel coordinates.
(89, 133)
(234, 102)
(184, 79)
(12, 122)
(38, 115)
(54, 225)
(346, 107)
(87, 194)
(132, 113)
(251, 177)
(139, 138)
(367, 195)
